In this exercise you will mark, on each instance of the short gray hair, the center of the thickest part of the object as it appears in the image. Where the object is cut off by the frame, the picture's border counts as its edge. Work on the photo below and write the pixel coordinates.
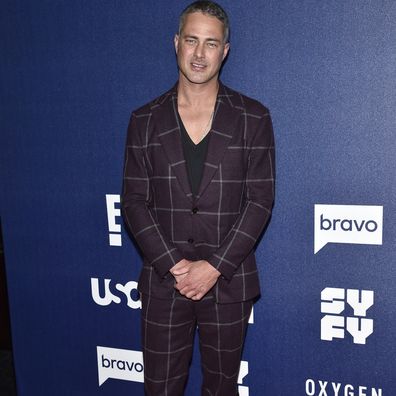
(208, 8)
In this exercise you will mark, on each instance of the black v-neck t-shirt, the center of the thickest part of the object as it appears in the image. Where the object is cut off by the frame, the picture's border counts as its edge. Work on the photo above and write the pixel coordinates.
(195, 155)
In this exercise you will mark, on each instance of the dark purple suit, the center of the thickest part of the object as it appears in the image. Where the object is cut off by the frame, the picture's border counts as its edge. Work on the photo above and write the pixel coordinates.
(223, 222)
(220, 225)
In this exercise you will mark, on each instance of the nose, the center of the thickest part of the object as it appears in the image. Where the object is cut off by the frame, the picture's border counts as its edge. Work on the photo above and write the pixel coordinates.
(200, 50)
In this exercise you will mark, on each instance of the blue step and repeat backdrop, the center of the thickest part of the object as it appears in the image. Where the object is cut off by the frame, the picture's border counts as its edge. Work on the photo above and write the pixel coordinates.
(71, 73)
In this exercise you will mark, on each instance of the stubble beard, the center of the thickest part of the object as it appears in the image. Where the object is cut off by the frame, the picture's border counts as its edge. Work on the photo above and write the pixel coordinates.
(198, 77)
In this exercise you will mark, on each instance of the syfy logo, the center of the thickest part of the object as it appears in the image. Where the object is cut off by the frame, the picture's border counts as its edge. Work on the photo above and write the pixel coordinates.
(112, 213)
(333, 325)
(109, 296)
(357, 224)
(128, 365)
(119, 364)
(325, 388)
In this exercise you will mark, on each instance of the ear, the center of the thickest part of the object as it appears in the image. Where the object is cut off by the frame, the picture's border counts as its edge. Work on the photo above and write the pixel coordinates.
(225, 50)
(176, 42)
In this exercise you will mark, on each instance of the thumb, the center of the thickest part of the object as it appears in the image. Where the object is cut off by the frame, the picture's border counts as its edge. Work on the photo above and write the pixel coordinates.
(180, 271)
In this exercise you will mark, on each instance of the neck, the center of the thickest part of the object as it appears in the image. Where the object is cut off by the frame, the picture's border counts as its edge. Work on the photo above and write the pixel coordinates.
(190, 94)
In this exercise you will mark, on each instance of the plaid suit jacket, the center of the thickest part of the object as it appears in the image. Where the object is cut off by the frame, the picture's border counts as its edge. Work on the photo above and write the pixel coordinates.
(223, 222)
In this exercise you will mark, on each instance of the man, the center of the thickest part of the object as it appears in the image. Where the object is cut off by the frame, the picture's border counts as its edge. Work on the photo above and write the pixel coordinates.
(198, 191)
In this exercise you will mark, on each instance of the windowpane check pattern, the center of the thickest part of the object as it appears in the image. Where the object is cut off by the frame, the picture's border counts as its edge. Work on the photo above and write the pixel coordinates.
(223, 222)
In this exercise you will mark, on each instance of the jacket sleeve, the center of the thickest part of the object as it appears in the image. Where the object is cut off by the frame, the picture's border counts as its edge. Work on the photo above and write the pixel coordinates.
(136, 199)
(257, 207)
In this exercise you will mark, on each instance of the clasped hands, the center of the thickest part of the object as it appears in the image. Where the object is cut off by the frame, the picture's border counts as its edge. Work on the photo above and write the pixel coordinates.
(194, 278)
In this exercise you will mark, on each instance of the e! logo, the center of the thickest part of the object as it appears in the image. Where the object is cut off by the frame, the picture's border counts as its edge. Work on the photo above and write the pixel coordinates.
(112, 213)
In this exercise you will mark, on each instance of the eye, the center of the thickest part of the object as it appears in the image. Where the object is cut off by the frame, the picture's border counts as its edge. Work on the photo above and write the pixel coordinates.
(190, 41)
(212, 45)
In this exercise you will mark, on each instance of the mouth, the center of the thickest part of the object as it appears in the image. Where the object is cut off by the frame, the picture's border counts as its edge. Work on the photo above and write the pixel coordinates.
(198, 66)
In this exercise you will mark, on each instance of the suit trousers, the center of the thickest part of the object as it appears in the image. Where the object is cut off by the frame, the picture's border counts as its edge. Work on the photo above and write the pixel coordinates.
(168, 329)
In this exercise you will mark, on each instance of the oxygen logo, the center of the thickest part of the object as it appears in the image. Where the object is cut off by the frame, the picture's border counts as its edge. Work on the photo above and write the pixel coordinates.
(108, 297)
(119, 364)
(112, 213)
(357, 224)
(333, 325)
(326, 388)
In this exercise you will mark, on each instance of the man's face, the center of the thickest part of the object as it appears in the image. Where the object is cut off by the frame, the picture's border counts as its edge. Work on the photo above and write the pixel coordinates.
(200, 48)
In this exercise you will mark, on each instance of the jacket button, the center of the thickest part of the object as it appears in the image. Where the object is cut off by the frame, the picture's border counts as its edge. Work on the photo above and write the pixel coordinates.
(195, 210)
(190, 240)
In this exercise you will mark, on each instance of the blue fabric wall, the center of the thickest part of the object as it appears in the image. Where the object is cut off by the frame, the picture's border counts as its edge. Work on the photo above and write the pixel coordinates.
(72, 71)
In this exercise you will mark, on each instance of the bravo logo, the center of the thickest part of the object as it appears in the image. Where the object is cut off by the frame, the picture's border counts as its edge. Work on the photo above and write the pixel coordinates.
(333, 324)
(119, 364)
(128, 365)
(358, 224)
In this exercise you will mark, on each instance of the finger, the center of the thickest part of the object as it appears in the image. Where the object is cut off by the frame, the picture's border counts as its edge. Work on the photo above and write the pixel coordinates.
(191, 294)
(183, 290)
(183, 282)
(197, 297)
(180, 271)
(181, 264)
(179, 278)
(187, 291)
(179, 285)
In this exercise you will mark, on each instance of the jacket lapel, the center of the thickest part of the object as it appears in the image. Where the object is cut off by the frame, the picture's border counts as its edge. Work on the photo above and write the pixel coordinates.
(221, 133)
(165, 114)
(223, 127)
